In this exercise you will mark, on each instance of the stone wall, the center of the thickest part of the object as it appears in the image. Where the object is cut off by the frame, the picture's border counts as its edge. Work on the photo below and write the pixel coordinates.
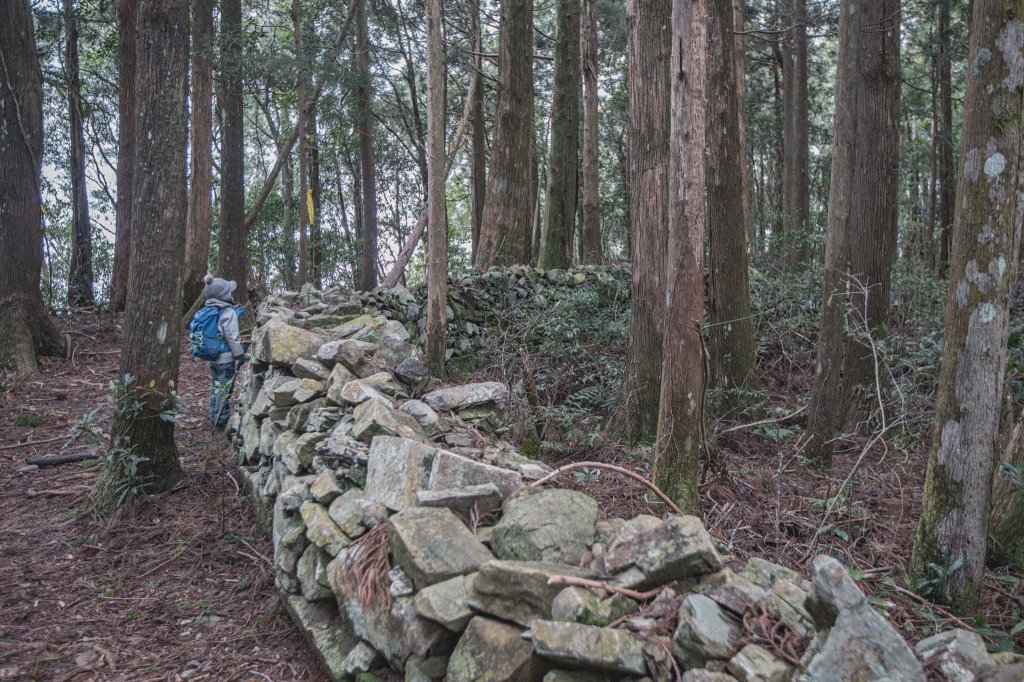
(407, 535)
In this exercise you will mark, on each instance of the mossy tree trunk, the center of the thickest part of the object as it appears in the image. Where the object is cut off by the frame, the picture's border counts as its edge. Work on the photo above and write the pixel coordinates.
(677, 451)
(505, 232)
(25, 329)
(732, 329)
(126, 13)
(233, 257)
(300, 95)
(1006, 519)
(437, 223)
(479, 141)
(635, 416)
(80, 280)
(590, 237)
(983, 260)
(947, 188)
(143, 457)
(200, 205)
(860, 243)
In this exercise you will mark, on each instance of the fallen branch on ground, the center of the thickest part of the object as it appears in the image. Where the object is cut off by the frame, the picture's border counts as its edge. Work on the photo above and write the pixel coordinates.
(52, 460)
(598, 585)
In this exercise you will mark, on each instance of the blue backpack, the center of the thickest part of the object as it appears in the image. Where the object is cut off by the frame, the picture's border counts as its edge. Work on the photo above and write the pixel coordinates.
(204, 334)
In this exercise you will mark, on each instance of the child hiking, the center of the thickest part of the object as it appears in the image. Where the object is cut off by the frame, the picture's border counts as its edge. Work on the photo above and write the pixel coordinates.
(216, 339)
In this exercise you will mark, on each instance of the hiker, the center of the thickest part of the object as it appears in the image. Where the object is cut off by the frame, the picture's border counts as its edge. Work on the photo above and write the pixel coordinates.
(215, 338)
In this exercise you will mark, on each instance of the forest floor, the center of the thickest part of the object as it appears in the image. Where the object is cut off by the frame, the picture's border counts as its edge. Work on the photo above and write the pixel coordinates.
(176, 586)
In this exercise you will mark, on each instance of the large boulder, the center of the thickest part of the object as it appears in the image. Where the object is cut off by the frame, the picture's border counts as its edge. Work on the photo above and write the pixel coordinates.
(587, 646)
(432, 545)
(397, 469)
(677, 548)
(858, 643)
(491, 651)
(549, 525)
(518, 591)
(282, 345)
(705, 632)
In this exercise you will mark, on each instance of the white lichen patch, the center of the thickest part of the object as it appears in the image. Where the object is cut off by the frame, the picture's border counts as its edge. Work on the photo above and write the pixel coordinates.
(983, 58)
(995, 165)
(962, 289)
(161, 333)
(949, 441)
(972, 164)
(1010, 43)
(986, 313)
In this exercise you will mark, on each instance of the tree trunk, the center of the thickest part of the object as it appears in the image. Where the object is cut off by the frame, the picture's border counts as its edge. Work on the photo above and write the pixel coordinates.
(796, 195)
(479, 149)
(739, 26)
(505, 230)
(233, 249)
(288, 188)
(590, 242)
(300, 93)
(437, 256)
(126, 13)
(364, 95)
(863, 209)
(677, 451)
(732, 329)
(316, 246)
(984, 254)
(635, 416)
(200, 206)
(933, 168)
(556, 248)
(143, 457)
(80, 289)
(25, 329)
(946, 187)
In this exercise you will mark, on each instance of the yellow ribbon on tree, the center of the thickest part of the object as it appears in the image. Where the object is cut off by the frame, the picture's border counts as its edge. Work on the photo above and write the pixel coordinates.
(309, 205)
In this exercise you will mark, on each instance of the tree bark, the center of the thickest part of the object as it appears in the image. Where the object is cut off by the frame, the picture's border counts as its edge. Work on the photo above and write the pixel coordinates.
(437, 256)
(947, 190)
(300, 92)
(478, 171)
(364, 95)
(933, 170)
(677, 450)
(796, 195)
(984, 256)
(233, 262)
(143, 457)
(25, 329)
(126, 14)
(863, 209)
(288, 189)
(505, 231)
(80, 281)
(556, 249)
(200, 206)
(732, 329)
(590, 241)
(635, 416)
(316, 246)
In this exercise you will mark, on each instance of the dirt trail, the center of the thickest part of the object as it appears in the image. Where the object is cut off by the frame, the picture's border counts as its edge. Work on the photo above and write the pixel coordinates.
(175, 587)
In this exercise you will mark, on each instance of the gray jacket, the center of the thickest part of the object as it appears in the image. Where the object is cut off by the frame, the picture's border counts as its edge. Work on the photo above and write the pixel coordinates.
(227, 325)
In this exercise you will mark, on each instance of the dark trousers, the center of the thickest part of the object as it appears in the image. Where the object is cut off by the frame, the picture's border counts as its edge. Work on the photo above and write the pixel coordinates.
(221, 376)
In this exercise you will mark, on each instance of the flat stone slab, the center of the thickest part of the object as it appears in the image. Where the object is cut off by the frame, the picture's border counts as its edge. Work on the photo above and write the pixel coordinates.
(321, 530)
(549, 525)
(491, 651)
(704, 632)
(485, 498)
(432, 545)
(397, 469)
(445, 603)
(328, 633)
(282, 345)
(455, 471)
(468, 395)
(377, 418)
(588, 646)
(678, 548)
(756, 664)
(517, 591)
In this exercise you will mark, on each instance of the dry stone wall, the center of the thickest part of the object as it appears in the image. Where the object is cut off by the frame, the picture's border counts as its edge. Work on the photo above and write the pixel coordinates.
(407, 536)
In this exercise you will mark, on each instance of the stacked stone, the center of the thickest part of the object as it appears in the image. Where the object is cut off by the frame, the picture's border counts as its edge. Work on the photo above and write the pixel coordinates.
(340, 431)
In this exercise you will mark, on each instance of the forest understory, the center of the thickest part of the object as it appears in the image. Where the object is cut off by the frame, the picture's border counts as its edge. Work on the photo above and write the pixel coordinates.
(180, 586)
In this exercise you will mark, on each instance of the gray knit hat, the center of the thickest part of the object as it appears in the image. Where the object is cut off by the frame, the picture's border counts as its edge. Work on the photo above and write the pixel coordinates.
(218, 288)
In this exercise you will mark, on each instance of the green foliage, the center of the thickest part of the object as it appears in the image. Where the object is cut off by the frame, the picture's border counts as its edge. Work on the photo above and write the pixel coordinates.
(29, 420)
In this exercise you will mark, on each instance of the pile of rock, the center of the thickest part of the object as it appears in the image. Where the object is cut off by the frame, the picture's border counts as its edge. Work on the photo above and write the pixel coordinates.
(343, 439)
